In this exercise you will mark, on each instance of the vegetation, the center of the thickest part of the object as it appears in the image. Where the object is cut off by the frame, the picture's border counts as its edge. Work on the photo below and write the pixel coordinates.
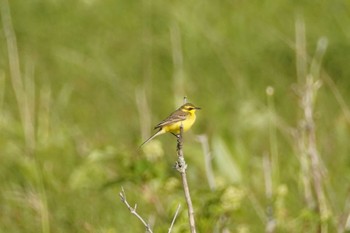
(83, 82)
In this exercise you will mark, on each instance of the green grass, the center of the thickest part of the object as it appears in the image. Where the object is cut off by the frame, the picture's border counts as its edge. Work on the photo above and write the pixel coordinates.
(69, 134)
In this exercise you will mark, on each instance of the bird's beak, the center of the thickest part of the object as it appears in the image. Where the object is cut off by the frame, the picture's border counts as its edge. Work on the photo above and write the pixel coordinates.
(198, 108)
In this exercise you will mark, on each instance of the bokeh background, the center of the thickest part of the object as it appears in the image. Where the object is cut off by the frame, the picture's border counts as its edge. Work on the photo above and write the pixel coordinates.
(83, 82)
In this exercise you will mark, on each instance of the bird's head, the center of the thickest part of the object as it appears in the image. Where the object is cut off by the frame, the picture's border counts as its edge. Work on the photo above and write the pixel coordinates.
(188, 107)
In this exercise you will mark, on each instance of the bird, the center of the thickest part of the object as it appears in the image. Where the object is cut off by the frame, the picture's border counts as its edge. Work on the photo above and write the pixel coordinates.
(184, 115)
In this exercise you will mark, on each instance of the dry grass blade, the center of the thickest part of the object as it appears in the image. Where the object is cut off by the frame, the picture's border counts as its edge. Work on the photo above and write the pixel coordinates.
(24, 94)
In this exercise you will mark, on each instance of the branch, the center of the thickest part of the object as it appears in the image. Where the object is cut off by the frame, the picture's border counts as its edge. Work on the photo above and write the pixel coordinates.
(133, 211)
(181, 167)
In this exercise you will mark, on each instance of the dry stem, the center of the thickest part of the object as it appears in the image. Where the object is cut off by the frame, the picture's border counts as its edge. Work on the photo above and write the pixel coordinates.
(311, 162)
(181, 167)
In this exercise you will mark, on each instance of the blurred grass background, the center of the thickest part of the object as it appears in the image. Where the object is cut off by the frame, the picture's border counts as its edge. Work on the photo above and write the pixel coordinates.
(94, 77)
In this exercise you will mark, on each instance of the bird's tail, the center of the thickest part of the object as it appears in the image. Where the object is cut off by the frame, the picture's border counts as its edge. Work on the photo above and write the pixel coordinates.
(161, 131)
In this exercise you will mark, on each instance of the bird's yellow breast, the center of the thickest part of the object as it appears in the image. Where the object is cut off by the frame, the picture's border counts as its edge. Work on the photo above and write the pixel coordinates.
(186, 124)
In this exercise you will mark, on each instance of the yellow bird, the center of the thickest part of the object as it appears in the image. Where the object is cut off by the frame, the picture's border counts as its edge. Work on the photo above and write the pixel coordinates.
(185, 115)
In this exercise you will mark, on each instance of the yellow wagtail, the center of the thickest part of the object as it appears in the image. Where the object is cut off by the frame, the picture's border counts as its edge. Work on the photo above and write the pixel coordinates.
(185, 115)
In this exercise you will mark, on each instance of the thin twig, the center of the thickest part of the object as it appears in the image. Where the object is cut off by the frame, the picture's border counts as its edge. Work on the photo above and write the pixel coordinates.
(133, 211)
(175, 216)
(181, 167)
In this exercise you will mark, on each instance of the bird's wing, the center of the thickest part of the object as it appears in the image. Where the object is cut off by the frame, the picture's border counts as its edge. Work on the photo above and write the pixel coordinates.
(174, 117)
